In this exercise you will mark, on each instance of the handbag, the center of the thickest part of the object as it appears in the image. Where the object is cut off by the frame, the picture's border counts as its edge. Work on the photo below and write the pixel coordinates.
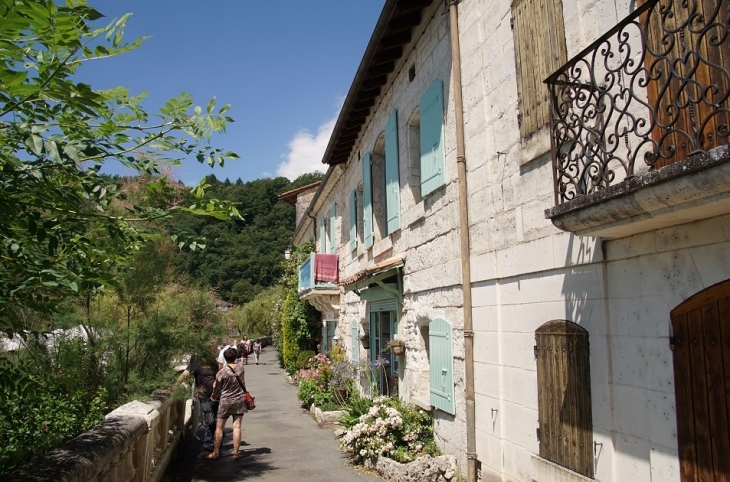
(250, 400)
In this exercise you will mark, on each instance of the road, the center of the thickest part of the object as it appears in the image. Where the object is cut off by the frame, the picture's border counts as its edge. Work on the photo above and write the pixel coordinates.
(282, 442)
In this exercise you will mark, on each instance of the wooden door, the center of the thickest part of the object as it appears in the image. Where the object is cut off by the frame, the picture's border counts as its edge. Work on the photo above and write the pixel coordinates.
(701, 327)
(565, 428)
(687, 57)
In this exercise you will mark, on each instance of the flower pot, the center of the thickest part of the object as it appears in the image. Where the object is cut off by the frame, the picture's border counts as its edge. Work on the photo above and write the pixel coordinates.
(341, 394)
(365, 342)
(398, 349)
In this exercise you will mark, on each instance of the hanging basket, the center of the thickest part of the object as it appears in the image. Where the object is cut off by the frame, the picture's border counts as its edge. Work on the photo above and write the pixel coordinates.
(398, 349)
(365, 340)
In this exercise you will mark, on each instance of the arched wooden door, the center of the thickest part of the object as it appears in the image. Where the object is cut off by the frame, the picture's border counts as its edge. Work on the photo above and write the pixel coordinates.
(701, 327)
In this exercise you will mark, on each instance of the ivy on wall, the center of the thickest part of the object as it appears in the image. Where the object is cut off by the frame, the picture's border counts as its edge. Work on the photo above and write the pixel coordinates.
(300, 322)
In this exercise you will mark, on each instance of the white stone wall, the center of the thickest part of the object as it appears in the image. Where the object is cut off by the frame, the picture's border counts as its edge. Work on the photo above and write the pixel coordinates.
(525, 272)
(428, 238)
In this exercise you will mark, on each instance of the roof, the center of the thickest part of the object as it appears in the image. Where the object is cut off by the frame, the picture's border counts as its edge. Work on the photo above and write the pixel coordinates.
(381, 267)
(392, 32)
(290, 197)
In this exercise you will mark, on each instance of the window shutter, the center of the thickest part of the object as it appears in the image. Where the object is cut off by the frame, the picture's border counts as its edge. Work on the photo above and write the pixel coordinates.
(441, 358)
(433, 166)
(355, 341)
(564, 395)
(333, 228)
(367, 200)
(392, 174)
(353, 220)
(539, 37)
(323, 235)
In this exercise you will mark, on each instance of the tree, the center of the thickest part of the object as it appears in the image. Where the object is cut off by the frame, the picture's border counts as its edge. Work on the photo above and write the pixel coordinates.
(60, 234)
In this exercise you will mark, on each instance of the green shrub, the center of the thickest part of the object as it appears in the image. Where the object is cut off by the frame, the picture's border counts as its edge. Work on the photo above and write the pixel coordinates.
(355, 407)
(390, 428)
(303, 359)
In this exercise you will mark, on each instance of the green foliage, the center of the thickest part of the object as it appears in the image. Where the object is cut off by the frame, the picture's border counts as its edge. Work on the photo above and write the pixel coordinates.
(390, 427)
(59, 233)
(300, 322)
(355, 407)
(303, 359)
(261, 316)
(242, 257)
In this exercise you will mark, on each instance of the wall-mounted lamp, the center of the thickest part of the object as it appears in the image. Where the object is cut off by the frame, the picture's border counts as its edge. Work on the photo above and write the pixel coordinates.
(287, 254)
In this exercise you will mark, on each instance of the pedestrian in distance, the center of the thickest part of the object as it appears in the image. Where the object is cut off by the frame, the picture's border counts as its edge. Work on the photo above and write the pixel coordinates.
(203, 370)
(221, 360)
(257, 349)
(244, 348)
(229, 389)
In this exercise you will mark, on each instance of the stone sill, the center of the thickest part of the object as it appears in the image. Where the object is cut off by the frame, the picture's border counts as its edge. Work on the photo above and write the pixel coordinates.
(690, 190)
(421, 402)
(543, 469)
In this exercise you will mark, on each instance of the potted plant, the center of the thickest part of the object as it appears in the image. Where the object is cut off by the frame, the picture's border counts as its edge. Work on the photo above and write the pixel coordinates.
(365, 339)
(398, 347)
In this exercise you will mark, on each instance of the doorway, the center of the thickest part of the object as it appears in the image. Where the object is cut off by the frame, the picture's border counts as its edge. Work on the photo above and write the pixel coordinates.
(383, 327)
(701, 332)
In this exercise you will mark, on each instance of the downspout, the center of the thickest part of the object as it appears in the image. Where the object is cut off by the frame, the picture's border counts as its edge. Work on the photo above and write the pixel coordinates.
(471, 454)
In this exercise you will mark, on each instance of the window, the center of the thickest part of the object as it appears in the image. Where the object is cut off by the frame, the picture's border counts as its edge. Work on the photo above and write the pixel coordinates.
(539, 37)
(565, 428)
(392, 175)
(367, 200)
(431, 124)
(441, 360)
(333, 226)
(353, 219)
(414, 155)
(323, 235)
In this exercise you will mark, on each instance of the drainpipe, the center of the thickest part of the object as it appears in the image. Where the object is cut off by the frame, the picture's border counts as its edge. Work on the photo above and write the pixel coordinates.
(471, 454)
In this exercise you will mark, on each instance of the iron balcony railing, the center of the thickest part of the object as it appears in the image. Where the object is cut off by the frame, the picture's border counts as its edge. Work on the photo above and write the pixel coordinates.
(310, 278)
(650, 92)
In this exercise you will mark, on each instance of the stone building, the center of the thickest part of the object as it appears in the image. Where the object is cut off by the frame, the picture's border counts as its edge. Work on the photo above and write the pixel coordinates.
(579, 326)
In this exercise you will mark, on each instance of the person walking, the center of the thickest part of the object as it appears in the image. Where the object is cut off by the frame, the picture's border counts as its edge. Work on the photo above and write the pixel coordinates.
(203, 371)
(229, 389)
(244, 348)
(257, 349)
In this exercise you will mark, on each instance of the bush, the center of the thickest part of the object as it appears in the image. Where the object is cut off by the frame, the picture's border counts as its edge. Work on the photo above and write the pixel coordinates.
(390, 428)
(356, 407)
(303, 359)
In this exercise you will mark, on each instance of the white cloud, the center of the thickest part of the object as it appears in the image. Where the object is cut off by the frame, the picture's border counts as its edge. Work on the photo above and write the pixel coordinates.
(306, 151)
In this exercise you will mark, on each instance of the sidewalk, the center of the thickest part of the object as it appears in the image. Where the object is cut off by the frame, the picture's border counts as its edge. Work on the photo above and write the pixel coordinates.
(282, 442)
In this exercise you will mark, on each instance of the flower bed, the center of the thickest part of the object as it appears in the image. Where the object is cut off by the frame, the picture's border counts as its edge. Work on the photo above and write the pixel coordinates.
(387, 428)
(326, 383)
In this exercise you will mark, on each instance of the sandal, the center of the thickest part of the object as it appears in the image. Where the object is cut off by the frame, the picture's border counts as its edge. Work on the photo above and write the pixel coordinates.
(237, 456)
(212, 457)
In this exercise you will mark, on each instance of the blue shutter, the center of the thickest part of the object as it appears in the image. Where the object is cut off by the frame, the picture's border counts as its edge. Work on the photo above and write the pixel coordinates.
(367, 200)
(431, 111)
(441, 359)
(333, 228)
(323, 235)
(353, 220)
(392, 174)
(355, 341)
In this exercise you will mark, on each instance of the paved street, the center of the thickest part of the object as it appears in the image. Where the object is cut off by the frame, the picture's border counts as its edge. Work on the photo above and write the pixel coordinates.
(282, 442)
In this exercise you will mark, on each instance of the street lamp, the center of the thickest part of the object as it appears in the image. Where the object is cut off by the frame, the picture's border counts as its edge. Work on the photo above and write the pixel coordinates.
(287, 254)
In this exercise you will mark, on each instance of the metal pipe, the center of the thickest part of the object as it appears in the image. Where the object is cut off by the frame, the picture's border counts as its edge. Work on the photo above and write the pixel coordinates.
(471, 455)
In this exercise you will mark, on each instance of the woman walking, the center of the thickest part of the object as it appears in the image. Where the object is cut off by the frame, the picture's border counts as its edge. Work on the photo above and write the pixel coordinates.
(229, 389)
(257, 349)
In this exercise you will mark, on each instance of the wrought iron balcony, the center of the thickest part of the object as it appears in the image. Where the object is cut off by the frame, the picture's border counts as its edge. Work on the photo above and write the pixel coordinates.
(318, 271)
(651, 92)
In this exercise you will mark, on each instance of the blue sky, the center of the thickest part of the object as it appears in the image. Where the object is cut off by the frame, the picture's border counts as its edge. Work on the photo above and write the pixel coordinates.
(284, 66)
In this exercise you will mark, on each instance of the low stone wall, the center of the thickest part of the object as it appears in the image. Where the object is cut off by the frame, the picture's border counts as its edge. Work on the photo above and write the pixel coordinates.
(325, 417)
(134, 443)
(423, 469)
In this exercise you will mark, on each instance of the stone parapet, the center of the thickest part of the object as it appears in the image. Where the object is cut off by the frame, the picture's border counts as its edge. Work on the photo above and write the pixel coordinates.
(134, 443)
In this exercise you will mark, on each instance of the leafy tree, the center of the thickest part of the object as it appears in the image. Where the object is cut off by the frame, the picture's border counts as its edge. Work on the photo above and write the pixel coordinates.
(59, 234)
(261, 316)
